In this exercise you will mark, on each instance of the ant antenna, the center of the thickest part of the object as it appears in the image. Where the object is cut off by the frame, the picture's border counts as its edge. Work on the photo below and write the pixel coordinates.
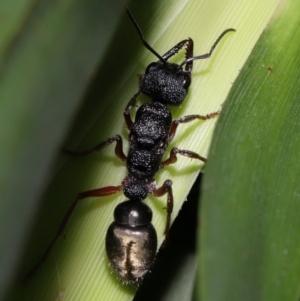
(142, 37)
(207, 55)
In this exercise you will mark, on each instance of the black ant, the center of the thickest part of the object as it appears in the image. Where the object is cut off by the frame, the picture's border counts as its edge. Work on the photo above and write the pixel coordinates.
(131, 240)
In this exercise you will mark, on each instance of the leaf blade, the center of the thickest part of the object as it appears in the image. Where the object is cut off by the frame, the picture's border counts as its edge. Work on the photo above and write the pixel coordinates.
(250, 224)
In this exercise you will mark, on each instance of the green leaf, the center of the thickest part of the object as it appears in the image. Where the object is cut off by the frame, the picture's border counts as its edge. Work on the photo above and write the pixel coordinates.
(48, 51)
(250, 247)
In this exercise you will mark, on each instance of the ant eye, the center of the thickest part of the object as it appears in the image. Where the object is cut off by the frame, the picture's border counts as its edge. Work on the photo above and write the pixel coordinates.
(150, 66)
(187, 81)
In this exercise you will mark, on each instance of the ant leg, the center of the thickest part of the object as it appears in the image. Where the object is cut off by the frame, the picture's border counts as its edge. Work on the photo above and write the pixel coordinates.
(166, 188)
(189, 118)
(100, 192)
(173, 156)
(118, 149)
(131, 104)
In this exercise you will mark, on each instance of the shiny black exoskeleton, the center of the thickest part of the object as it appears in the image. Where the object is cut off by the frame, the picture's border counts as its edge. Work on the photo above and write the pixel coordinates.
(131, 240)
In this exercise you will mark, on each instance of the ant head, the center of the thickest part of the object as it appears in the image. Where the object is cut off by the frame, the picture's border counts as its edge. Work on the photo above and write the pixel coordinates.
(167, 82)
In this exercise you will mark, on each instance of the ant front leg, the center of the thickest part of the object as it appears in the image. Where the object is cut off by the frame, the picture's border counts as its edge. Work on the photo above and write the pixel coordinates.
(166, 188)
(118, 149)
(189, 118)
(100, 192)
(131, 104)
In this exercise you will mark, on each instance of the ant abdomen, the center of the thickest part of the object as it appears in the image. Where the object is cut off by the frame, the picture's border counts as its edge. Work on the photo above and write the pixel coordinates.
(131, 241)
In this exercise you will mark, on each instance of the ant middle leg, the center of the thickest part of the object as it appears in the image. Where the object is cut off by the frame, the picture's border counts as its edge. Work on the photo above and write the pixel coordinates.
(100, 192)
(189, 118)
(118, 148)
(173, 156)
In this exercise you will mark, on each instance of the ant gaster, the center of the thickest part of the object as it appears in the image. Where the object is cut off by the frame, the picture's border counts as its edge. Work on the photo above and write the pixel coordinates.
(131, 240)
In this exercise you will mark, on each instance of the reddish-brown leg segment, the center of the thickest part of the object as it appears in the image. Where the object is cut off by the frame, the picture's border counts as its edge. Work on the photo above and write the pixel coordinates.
(100, 192)
(166, 188)
(131, 104)
(189, 118)
(118, 149)
(173, 156)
